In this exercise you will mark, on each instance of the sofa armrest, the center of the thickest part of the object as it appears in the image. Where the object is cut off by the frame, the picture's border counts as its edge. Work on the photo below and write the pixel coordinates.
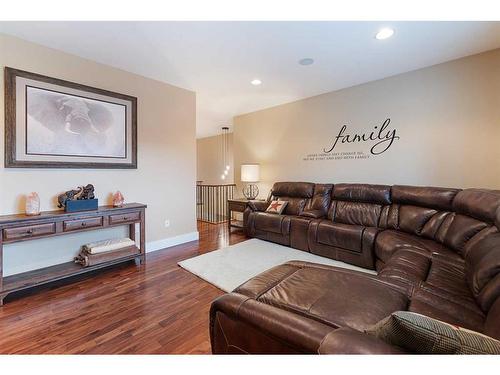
(349, 341)
(313, 214)
(258, 205)
(240, 324)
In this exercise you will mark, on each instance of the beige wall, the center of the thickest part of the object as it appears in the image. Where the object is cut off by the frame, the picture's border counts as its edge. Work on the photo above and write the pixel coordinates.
(209, 160)
(447, 117)
(165, 178)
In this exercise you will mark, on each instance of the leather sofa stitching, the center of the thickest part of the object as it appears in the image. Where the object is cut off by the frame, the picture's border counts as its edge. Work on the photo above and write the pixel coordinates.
(302, 313)
(223, 334)
(273, 285)
(322, 341)
(241, 304)
(240, 349)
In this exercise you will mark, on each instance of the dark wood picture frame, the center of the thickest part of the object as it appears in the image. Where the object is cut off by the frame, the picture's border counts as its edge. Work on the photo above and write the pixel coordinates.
(11, 161)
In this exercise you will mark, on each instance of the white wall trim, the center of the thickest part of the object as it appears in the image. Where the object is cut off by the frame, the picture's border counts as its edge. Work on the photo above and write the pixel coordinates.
(171, 241)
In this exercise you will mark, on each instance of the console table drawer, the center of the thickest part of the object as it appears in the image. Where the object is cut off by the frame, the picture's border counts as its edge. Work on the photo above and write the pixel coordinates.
(29, 231)
(124, 218)
(78, 224)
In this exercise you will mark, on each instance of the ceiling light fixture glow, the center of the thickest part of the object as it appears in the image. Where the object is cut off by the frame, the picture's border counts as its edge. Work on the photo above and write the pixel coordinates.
(384, 33)
(256, 82)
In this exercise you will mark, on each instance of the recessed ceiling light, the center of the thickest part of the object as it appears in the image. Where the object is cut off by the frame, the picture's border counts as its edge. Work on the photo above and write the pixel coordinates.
(384, 33)
(306, 61)
(256, 82)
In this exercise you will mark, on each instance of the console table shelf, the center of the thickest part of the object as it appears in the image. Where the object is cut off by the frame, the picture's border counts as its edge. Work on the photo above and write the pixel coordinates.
(45, 275)
(16, 228)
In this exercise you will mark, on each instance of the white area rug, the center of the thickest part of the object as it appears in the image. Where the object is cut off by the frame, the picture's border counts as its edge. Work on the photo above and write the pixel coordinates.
(230, 267)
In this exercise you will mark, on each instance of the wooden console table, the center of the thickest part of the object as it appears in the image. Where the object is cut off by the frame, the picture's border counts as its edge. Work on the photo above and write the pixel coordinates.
(17, 228)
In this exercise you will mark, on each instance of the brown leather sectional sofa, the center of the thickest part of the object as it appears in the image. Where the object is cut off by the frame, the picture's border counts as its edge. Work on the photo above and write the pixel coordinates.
(436, 252)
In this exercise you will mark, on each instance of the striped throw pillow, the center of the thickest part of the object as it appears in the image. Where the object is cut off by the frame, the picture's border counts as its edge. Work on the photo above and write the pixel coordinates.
(422, 334)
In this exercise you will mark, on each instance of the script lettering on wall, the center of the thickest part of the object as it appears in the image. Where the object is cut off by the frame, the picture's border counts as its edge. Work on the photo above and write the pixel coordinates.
(379, 140)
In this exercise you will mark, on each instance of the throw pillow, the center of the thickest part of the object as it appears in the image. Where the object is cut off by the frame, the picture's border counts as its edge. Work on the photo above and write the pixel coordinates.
(422, 334)
(277, 207)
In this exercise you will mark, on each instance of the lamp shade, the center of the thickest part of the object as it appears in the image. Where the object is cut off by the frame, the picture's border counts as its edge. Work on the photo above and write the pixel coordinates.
(250, 172)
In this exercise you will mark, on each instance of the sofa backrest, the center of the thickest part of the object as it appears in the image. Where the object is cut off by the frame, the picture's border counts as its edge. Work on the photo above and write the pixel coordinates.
(482, 250)
(465, 221)
(359, 204)
(297, 194)
(419, 210)
(321, 198)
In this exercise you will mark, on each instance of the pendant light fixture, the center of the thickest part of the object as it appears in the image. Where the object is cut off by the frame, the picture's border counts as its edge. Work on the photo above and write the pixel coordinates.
(225, 152)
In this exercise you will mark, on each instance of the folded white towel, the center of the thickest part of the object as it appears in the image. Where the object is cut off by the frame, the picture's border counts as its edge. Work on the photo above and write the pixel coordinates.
(107, 245)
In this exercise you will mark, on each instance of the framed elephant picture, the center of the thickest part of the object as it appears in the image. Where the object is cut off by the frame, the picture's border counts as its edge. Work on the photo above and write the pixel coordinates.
(52, 123)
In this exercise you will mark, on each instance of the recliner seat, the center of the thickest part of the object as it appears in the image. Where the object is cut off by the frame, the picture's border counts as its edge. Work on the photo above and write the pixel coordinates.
(436, 252)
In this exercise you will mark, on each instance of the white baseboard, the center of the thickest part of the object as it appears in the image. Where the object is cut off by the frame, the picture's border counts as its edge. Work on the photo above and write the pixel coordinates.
(171, 241)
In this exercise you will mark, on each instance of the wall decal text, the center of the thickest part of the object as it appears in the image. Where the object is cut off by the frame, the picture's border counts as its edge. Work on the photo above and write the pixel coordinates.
(383, 137)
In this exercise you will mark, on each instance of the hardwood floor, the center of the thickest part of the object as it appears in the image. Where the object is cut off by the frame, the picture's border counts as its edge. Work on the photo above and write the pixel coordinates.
(129, 309)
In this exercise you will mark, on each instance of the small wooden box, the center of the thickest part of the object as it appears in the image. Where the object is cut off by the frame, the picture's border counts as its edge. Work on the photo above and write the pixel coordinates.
(81, 205)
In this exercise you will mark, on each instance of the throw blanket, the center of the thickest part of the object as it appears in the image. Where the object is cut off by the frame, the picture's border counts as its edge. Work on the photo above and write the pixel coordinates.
(107, 245)
(86, 259)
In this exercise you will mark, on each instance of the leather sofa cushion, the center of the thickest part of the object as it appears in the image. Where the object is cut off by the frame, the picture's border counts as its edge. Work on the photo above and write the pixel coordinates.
(297, 194)
(295, 206)
(332, 295)
(479, 203)
(350, 341)
(460, 230)
(299, 228)
(430, 197)
(413, 260)
(447, 308)
(264, 281)
(448, 278)
(272, 222)
(492, 323)
(340, 235)
(406, 266)
(357, 213)
(412, 219)
(483, 270)
(239, 324)
(321, 198)
(359, 204)
(389, 241)
(293, 189)
(380, 194)
(313, 214)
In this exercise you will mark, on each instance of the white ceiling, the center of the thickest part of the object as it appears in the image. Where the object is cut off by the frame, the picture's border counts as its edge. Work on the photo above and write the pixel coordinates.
(219, 59)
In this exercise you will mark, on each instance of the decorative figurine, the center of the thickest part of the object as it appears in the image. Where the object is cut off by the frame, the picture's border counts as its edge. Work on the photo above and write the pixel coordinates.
(87, 192)
(80, 199)
(118, 199)
(32, 204)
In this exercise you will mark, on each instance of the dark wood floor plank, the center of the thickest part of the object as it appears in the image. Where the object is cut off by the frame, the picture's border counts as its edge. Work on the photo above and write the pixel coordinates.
(128, 309)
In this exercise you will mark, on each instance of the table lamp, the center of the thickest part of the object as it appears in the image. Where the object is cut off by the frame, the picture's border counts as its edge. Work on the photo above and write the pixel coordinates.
(250, 173)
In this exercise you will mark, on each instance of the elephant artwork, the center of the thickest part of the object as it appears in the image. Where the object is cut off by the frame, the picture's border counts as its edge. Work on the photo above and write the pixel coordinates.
(53, 123)
(61, 124)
